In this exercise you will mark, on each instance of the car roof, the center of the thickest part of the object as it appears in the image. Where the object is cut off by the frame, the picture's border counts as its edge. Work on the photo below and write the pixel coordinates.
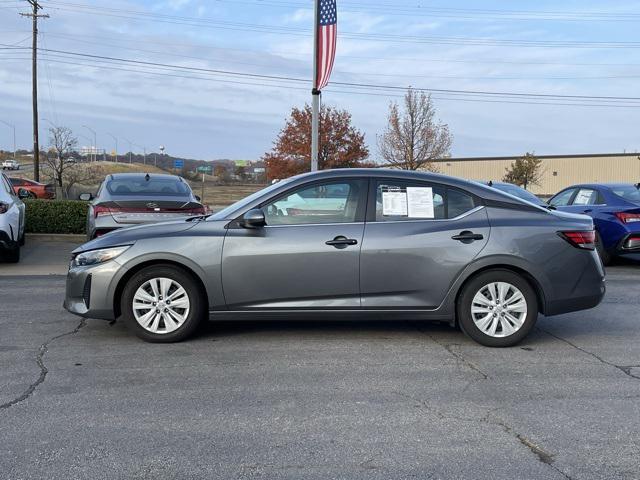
(601, 185)
(476, 188)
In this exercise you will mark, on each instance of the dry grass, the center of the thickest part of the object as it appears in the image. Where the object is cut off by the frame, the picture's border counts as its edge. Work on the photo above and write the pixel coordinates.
(219, 196)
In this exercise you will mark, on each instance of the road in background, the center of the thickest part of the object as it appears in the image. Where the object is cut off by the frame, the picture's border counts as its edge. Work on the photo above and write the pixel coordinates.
(318, 400)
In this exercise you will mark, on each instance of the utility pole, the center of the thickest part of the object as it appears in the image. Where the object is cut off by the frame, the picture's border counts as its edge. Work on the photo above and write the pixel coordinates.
(95, 143)
(116, 140)
(34, 83)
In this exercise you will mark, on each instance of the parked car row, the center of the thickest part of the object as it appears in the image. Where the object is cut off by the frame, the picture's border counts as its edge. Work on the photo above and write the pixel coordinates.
(10, 165)
(12, 219)
(35, 189)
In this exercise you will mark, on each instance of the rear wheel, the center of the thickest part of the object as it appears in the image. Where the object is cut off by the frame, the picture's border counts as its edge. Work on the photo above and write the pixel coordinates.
(162, 304)
(604, 255)
(497, 308)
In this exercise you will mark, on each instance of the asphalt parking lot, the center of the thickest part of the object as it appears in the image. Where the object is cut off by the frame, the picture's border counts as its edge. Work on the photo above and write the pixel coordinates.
(317, 400)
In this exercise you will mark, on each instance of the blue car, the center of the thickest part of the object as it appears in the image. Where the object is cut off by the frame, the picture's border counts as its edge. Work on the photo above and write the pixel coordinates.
(516, 191)
(615, 209)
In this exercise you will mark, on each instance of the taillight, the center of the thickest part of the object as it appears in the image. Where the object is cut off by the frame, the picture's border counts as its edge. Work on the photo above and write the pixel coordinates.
(585, 239)
(201, 210)
(626, 217)
(4, 207)
(100, 211)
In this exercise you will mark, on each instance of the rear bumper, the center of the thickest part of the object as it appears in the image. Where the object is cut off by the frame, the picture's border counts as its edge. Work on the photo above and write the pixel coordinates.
(588, 289)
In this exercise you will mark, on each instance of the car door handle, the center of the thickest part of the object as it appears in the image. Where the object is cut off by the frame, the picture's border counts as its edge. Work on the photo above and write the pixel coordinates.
(589, 210)
(468, 236)
(341, 242)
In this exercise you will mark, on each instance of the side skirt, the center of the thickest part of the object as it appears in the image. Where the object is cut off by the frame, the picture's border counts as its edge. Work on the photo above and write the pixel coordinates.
(332, 315)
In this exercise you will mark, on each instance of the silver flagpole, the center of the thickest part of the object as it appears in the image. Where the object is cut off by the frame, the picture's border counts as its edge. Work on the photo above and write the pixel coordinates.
(315, 104)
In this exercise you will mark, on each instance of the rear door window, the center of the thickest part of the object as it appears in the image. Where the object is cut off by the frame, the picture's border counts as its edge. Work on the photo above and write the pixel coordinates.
(587, 196)
(409, 201)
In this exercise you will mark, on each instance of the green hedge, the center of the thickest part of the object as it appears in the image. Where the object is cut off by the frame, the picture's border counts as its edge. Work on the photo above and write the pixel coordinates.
(56, 216)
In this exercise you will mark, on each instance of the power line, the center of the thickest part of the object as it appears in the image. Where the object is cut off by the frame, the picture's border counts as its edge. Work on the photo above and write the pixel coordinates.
(485, 61)
(369, 86)
(137, 15)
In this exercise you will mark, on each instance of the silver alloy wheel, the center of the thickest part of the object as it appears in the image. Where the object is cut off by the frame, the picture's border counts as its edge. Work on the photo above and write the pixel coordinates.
(499, 309)
(161, 305)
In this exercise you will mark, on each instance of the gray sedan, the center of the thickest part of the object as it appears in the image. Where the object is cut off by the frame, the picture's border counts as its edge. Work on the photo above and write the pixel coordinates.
(126, 199)
(357, 243)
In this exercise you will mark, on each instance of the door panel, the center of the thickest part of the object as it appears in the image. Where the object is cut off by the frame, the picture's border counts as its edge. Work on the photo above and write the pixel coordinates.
(281, 267)
(412, 264)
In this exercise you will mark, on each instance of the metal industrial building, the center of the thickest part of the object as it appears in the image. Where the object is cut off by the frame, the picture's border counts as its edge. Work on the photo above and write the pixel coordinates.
(559, 171)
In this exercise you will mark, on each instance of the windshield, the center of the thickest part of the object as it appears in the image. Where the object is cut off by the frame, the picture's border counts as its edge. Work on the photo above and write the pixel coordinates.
(158, 186)
(222, 214)
(628, 192)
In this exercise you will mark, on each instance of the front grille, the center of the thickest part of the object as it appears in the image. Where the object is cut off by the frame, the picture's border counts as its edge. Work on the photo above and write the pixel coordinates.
(86, 291)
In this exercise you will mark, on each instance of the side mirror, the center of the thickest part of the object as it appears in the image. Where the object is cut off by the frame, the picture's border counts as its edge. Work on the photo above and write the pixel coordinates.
(86, 197)
(253, 219)
(198, 197)
(23, 193)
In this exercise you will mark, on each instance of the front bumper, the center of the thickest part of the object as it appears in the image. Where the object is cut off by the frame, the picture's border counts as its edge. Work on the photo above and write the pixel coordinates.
(6, 242)
(90, 290)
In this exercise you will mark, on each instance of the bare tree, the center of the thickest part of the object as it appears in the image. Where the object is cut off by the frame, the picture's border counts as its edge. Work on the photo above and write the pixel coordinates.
(81, 174)
(61, 143)
(414, 138)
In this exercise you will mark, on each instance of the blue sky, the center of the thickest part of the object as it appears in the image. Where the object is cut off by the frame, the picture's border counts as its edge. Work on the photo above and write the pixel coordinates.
(460, 45)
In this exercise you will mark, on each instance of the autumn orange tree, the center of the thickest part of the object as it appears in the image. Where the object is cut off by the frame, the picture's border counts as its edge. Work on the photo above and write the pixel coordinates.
(341, 144)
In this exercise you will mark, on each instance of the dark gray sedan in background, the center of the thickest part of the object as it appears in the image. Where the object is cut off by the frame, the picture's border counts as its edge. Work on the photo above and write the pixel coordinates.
(356, 243)
(126, 199)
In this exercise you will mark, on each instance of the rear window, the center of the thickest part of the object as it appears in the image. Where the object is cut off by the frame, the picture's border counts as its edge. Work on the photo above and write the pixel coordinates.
(628, 192)
(162, 187)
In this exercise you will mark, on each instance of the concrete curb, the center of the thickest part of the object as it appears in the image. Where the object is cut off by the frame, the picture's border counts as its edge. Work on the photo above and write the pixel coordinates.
(57, 237)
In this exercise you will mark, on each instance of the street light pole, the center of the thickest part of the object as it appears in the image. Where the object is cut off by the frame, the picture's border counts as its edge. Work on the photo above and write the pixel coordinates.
(130, 148)
(95, 142)
(116, 140)
(15, 157)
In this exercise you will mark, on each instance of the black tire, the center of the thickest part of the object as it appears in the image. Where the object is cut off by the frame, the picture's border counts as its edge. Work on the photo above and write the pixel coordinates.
(605, 256)
(13, 255)
(475, 285)
(197, 308)
(32, 195)
(22, 239)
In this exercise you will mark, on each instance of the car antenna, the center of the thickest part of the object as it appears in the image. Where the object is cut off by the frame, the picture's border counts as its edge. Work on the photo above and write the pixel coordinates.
(638, 185)
(490, 183)
(147, 177)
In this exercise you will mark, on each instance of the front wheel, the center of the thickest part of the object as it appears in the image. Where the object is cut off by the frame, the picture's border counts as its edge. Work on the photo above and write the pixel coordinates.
(498, 308)
(163, 304)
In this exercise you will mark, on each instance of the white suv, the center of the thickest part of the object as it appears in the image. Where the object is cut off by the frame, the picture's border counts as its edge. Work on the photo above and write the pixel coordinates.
(11, 220)
(10, 165)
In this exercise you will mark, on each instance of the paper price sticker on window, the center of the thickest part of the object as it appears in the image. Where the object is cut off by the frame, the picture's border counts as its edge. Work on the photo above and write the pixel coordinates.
(394, 202)
(420, 202)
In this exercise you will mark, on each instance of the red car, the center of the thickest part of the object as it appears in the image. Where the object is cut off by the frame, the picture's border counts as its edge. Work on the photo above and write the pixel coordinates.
(35, 189)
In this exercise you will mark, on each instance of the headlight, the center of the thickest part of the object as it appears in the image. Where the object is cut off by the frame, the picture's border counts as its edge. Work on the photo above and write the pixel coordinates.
(94, 257)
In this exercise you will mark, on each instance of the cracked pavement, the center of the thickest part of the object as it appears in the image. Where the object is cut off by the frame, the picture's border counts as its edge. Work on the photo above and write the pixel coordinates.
(318, 400)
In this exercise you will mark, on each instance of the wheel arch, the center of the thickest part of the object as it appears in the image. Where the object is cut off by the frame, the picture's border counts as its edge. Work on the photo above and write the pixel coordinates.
(151, 263)
(533, 282)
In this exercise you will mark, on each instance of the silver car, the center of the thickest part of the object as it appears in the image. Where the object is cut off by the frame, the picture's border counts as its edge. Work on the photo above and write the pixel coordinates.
(126, 199)
(355, 243)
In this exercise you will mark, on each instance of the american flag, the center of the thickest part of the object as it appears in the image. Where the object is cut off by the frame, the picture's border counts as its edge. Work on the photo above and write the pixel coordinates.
(327, 36)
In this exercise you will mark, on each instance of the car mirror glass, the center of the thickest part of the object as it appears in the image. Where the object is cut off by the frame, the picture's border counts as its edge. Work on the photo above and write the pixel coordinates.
(23, 193)
(86, 197)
